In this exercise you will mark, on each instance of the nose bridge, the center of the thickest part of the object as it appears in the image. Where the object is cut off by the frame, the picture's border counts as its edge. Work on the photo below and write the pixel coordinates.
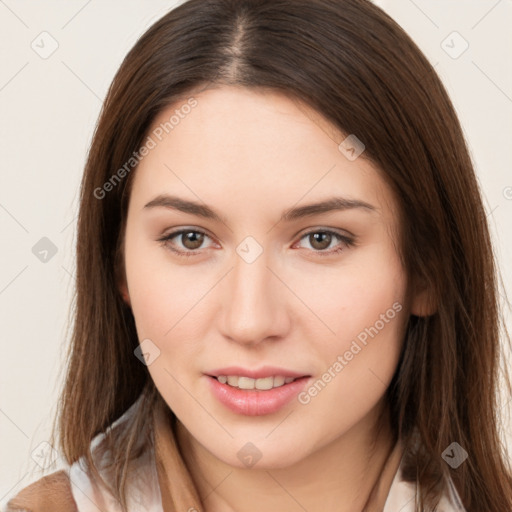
(254, 309)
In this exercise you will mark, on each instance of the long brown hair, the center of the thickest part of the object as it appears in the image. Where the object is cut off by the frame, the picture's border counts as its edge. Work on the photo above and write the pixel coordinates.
(354, 65)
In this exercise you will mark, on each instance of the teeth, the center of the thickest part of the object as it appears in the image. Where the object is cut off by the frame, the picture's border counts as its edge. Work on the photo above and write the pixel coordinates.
(279, 380)
(266, 383)
(248, 383)
(233, 381)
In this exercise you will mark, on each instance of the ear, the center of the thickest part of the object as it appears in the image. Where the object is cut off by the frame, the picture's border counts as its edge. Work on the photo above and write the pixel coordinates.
(123, 290)
(422, 301)
(120, 275)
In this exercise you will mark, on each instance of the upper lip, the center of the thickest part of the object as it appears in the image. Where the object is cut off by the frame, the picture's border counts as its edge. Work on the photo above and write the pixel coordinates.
(260, 373)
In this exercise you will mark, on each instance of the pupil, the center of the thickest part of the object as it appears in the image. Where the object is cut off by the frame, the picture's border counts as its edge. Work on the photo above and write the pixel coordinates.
(317, 236)
(196, 239)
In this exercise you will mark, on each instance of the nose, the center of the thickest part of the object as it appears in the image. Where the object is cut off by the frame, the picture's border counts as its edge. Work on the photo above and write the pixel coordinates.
(255, 305)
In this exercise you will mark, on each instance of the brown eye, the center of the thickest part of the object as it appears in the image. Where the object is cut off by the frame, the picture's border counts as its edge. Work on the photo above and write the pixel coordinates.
(320, 240)
(192, 239)
(184, 241)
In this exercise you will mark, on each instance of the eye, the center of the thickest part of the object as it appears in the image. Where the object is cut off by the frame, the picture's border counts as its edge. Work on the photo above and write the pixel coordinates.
(192, 241)
(321, 239)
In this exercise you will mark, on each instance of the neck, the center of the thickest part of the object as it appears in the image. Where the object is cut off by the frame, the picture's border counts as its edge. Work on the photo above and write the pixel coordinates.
(352, 473)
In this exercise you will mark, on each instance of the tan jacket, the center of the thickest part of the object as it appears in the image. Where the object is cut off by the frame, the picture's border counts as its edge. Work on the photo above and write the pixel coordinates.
(160, 482)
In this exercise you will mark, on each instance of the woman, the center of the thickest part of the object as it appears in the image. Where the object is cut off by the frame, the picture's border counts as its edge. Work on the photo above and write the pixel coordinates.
(286, 294)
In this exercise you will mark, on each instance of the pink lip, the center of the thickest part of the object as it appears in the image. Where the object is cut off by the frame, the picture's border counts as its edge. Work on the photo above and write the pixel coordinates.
(253, 402)
(261, 373)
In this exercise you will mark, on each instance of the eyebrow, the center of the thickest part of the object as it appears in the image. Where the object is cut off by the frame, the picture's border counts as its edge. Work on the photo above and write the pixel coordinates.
(294, 213)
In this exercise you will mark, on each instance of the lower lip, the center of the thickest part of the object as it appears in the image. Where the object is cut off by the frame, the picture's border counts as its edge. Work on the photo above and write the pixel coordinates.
(253, 402)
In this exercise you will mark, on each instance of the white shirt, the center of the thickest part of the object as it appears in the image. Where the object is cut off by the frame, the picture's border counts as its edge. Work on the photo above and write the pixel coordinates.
(144, 490)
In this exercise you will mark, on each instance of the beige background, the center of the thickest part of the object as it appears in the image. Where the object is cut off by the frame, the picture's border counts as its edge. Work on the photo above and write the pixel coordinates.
(48, 110)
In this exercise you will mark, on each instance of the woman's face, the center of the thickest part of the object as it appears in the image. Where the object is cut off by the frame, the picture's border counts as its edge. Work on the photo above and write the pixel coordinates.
(261, 286)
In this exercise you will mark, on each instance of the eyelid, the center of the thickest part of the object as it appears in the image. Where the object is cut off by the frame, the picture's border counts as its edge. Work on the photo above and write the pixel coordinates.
(321, 229)
(164, 239)
(345, 237)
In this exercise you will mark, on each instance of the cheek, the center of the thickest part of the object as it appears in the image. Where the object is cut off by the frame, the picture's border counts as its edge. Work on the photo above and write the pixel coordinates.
(373, 302)
(168, 299)
(162, 293)
(365, 308)
(353, 297)
(167, 307)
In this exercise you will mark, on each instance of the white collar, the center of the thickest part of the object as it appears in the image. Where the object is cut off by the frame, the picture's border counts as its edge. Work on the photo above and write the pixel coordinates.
(144, 490)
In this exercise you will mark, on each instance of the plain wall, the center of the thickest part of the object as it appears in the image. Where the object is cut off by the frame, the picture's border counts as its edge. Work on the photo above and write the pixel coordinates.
(49, 107)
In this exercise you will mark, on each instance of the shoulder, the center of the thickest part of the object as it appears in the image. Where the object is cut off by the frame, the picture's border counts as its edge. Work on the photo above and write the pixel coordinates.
(49, 493)
(403, 492)
(141, 486)
(75, 490)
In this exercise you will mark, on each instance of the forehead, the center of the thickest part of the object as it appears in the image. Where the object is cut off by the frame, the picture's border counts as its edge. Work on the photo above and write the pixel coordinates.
(247, 115)
(245, 147)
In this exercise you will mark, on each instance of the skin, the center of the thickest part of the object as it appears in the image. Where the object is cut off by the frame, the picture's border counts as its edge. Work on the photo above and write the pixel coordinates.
(250, 155)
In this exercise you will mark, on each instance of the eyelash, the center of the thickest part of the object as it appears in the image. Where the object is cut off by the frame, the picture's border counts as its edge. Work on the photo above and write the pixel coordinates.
(347, 241)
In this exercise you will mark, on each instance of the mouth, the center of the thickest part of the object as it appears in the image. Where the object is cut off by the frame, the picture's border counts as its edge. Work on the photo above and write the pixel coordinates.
(255, 392)
(261, 384)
